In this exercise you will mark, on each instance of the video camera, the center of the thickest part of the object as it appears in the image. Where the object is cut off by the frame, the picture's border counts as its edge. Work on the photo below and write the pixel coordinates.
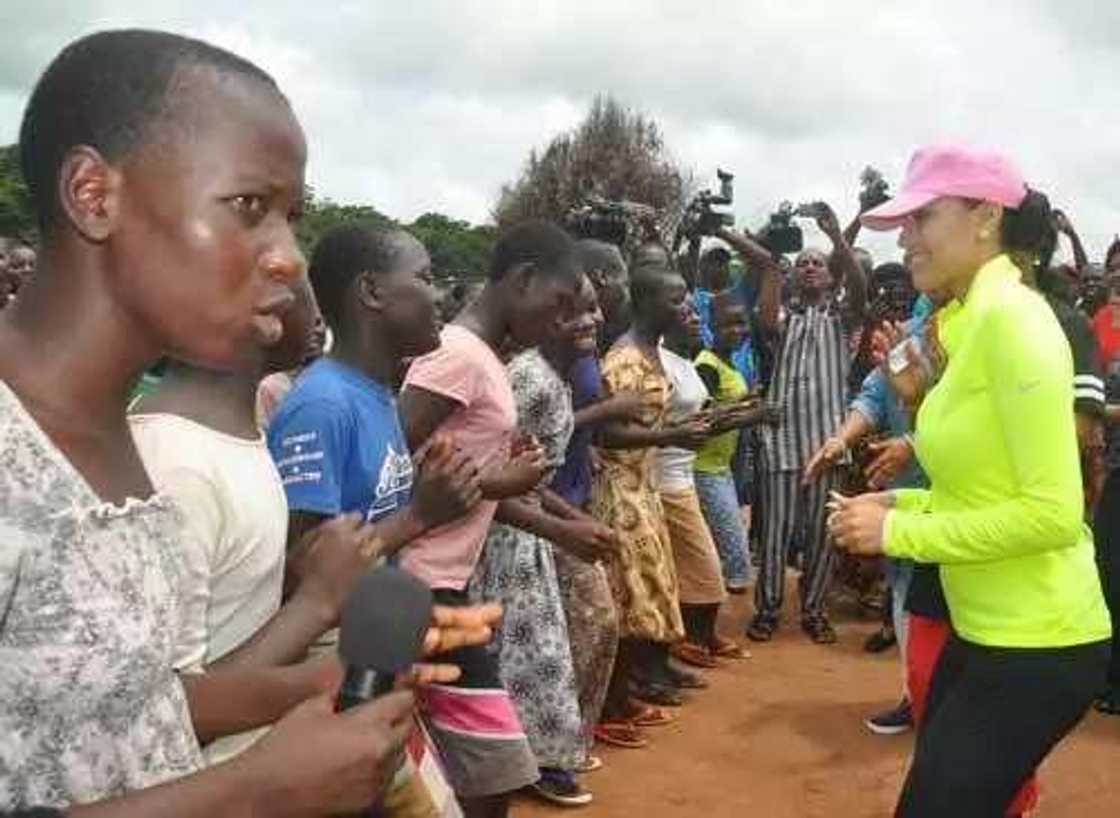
(701, 217)
(609, 221)
(781, 235)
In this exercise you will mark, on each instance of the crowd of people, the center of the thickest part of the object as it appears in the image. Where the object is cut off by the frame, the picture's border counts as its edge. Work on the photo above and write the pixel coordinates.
(209, 439)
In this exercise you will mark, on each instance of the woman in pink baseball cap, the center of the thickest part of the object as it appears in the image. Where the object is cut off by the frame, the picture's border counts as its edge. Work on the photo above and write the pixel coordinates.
(1003, 517)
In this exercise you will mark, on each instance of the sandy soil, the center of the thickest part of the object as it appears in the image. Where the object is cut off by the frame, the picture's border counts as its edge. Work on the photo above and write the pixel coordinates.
(781, 735)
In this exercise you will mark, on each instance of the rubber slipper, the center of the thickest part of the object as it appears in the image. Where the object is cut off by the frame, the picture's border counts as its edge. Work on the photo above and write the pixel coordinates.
(646, 715)
(727, 649)
(620, 734)
(692, 654)
(590, 764)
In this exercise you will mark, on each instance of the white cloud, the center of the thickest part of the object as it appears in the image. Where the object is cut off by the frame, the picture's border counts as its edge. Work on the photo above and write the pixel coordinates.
(432, 105)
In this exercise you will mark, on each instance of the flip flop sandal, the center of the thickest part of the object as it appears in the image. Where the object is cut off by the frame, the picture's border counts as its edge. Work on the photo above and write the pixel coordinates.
(590, 764)
(726, 649)
(620, 734)
(646, 715)
(693, 654)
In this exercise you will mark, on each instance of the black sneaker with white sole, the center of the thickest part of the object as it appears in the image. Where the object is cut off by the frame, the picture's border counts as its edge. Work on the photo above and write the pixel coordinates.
(897, 720)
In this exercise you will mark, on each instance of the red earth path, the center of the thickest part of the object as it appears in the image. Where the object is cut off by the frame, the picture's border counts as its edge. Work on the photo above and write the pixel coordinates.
(781, 735)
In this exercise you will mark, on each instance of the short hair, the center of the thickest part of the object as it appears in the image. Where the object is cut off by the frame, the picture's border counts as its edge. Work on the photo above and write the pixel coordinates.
(341, 255)
(645, 279)
(595, 254)
(108, 90)
(651, 252)
(890, 271)
(726, 300)
(540, 243)
(716, 255)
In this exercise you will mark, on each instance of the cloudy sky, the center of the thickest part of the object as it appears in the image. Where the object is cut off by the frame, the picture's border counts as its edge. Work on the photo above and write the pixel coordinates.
(415, 105)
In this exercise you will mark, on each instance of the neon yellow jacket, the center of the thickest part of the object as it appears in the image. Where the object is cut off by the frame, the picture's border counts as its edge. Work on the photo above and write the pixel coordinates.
(996, 436)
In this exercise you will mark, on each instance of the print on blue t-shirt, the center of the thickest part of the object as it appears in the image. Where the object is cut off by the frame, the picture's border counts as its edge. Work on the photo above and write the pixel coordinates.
(338, 444)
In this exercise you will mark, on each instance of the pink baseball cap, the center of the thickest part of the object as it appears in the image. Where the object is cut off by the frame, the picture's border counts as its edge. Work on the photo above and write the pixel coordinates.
(950, 170)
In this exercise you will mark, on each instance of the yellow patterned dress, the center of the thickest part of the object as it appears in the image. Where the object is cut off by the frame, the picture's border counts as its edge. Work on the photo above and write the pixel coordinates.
(624, 497)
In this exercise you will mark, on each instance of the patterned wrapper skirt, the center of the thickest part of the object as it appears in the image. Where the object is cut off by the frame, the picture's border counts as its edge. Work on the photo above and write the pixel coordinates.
(592, 631)
(642, 575)
(531, 645)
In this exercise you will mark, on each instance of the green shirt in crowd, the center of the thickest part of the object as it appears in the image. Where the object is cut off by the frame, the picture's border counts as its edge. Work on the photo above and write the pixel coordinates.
(716, 455)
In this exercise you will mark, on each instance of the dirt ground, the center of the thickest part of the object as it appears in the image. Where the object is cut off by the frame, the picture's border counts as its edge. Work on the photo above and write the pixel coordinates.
(781, 735)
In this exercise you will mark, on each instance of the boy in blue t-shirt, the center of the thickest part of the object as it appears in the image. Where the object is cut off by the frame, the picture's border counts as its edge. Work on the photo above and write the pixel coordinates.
(336, 438)
(338, 444)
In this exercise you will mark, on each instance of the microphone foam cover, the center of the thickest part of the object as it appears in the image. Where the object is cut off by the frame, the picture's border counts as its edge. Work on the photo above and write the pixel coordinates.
(384, 621)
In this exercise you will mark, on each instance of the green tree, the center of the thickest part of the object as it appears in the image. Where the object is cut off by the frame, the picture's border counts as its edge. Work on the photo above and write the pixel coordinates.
(17, 217)
(320, 215)
(616, 153)
(459, 250)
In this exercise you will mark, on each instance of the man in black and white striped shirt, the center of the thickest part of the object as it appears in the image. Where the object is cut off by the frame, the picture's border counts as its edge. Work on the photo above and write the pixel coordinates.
(813, 353)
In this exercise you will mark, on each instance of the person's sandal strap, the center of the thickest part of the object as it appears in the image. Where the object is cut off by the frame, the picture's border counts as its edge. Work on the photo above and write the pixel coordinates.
(650, 716)
(727, 649)
(692, 654)
(620, 734)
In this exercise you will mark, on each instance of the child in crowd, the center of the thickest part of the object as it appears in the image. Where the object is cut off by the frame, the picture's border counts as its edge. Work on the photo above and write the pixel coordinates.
(715, 480)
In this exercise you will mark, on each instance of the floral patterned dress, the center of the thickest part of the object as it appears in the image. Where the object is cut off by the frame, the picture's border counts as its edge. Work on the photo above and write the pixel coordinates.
(91, 707)
(518, 569)
(625, 497)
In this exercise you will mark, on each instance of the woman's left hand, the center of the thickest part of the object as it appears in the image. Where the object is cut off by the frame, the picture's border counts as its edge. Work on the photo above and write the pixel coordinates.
(856, 524)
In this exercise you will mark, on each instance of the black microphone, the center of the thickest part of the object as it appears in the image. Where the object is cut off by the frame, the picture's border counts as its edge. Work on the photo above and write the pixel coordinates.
(384, 621)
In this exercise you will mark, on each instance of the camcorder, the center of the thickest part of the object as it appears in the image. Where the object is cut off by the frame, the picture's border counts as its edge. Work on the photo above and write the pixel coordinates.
(605, 220)
(781, 234)
(701, 216)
